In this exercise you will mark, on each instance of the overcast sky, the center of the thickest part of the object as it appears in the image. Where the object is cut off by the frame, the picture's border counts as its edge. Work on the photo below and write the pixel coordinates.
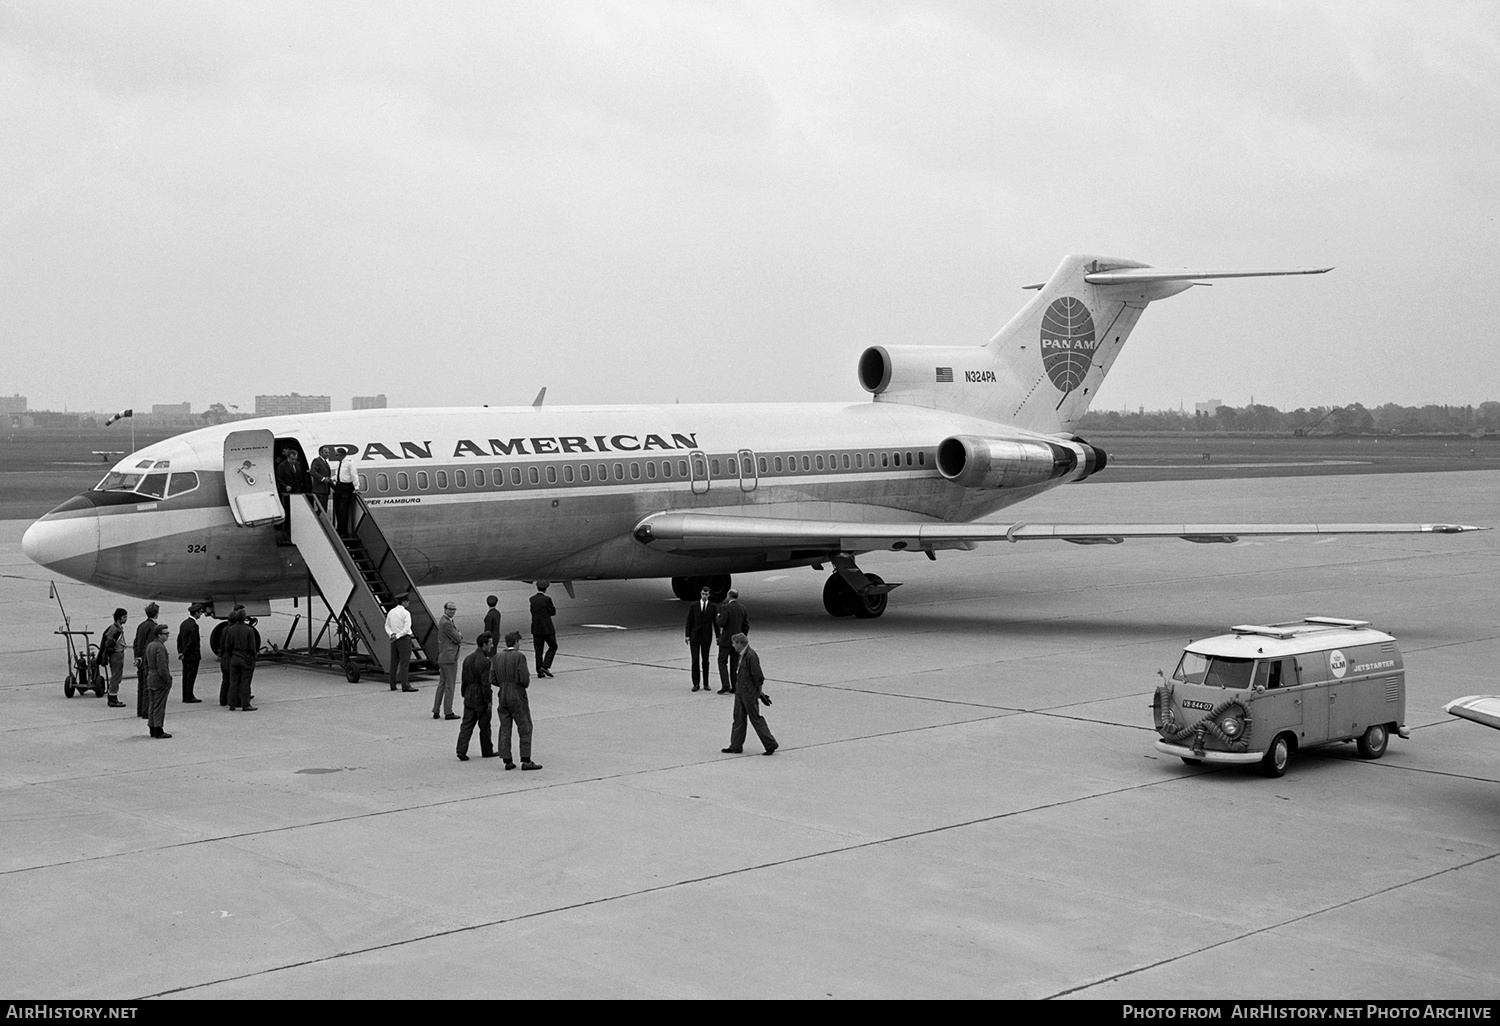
(457, 204)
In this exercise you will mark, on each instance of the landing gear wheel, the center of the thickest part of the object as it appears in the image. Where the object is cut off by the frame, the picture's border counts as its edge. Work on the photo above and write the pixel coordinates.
(351, 673)
(1277, 756)
(868, 607)
(838, 598)
(1372, 743)
(68, 685)
(685, 588)
(718, 587)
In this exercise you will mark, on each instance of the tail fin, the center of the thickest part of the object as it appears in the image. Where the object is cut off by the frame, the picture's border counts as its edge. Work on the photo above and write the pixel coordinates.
(1041, 371)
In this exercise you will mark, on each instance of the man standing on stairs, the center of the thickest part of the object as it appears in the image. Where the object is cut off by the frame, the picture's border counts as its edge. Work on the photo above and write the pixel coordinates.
(398, 626)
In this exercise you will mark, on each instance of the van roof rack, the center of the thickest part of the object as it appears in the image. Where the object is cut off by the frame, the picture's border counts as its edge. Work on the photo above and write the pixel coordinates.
(1295, 627)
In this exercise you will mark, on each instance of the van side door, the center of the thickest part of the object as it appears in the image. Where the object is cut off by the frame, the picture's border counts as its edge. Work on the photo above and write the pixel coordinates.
(1312, 687)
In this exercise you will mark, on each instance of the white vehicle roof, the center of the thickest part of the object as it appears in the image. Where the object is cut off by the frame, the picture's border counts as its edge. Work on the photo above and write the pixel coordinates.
(1296, 637)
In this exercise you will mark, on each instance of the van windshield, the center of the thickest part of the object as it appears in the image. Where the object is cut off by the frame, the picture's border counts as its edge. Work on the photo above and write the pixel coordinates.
(1214, 671)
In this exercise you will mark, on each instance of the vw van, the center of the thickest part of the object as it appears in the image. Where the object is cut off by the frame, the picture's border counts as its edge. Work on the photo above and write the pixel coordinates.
(1262, 693)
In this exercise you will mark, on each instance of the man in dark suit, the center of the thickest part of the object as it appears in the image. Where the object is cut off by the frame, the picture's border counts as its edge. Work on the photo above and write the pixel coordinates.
(731, 620)
(320, 477)
(701, 625)
(747, 700)
(290, 480)
(542, 631)
(145, 633)
(241, 643)
(190, 651)
(477, 701)
(508, 671)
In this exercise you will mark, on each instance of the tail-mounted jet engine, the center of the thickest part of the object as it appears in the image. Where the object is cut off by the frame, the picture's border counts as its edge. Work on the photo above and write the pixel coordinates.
(976, 462)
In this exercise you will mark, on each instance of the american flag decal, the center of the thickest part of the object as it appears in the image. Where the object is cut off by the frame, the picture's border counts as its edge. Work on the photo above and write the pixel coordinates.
(945, 374)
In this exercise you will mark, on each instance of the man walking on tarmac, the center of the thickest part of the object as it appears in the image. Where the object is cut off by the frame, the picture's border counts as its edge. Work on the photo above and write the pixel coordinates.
(477, 700)
(747, 701)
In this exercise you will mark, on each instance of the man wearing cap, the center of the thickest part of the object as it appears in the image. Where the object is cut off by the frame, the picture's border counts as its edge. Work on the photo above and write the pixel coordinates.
(190, 651)
(158, 681)
(450, 640)
(398, 627)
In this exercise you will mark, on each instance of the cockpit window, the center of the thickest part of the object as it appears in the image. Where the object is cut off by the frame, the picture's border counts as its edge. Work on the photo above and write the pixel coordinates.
(1214, 671)
(155, 485)
(182, 481)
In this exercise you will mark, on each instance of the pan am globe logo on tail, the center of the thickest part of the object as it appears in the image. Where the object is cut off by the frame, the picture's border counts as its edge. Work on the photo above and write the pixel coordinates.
(1068, 342)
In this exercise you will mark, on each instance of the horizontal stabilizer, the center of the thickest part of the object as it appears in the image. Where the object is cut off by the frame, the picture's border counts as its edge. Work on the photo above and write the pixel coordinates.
(1143, 275)
(711, 533)
(1479, 708)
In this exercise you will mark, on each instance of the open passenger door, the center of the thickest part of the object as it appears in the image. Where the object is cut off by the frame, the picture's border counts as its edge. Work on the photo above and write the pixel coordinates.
(250, 478)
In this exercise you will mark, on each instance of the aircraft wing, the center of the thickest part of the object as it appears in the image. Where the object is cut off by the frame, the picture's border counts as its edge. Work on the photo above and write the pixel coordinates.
(716, 534)
(1479, 708)
(1141, 275)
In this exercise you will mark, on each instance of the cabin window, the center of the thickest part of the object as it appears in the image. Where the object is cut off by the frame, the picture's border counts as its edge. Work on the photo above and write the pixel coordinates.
(921, 458)
(534, 475)
(733, 467)
(515, 475)
(382, 482)
(908, 459)
(583, 471)
(497, 476)
(714, 467)
(364, 483)
(807, 463)
(635, 471)
(619, 471)
(478, 479)
(422, 480)
(442, 480)
(820, 461)
(762, 461)
(846, 461)
(403, 481)
(651, 469)
(182, 483)
(568, 473)
(603, 470)
(859, 460)
(551, 473)
(461, 478)
(778, 464)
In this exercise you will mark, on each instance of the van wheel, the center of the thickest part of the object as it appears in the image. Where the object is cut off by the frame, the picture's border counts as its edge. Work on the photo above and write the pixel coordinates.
(1277, 756)
(1372, 744)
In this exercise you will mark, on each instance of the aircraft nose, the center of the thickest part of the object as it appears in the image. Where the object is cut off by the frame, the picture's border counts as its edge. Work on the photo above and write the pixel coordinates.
(69, 546)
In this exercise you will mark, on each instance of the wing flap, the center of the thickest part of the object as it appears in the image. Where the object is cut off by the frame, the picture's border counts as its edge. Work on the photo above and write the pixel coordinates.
(713, 533)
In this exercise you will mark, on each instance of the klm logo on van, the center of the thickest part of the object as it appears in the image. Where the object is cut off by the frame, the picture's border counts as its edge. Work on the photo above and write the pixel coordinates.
(1338, 664)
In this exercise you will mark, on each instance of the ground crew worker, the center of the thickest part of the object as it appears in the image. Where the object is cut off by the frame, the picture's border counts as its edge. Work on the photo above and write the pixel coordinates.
(144, 632)
(747, 700)
(477, 699)
(398, 628)
(158, 680)
(112, 655)
(240, 644)
(511, 680)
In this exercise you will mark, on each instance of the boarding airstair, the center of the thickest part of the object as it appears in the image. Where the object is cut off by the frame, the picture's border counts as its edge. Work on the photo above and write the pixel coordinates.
(359, 577)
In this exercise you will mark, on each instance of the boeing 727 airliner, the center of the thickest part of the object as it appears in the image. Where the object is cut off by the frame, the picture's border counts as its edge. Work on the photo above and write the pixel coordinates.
(687, 492)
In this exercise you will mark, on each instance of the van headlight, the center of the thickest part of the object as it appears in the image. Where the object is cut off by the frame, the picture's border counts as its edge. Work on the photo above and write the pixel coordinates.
(1231, 726)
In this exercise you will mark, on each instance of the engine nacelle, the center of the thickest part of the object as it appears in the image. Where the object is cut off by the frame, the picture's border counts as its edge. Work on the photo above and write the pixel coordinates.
(976, 462)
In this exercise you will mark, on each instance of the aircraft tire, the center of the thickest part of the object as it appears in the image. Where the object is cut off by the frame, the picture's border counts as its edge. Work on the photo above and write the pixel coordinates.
(685, 588)
(718, 587)
(838, 598)
(869, 607)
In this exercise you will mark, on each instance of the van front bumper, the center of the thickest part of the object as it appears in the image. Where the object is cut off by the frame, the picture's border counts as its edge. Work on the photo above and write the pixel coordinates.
(1209, 755)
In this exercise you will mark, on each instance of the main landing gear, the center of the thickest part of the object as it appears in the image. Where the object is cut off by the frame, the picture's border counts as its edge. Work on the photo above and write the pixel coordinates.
(850, 591)
(688, 588)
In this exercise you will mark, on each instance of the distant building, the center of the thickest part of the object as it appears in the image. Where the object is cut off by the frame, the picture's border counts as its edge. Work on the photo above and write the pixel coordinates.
(279, 405)
(17, 403)
(1208, 408)
(172, 409)
(369, 402)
